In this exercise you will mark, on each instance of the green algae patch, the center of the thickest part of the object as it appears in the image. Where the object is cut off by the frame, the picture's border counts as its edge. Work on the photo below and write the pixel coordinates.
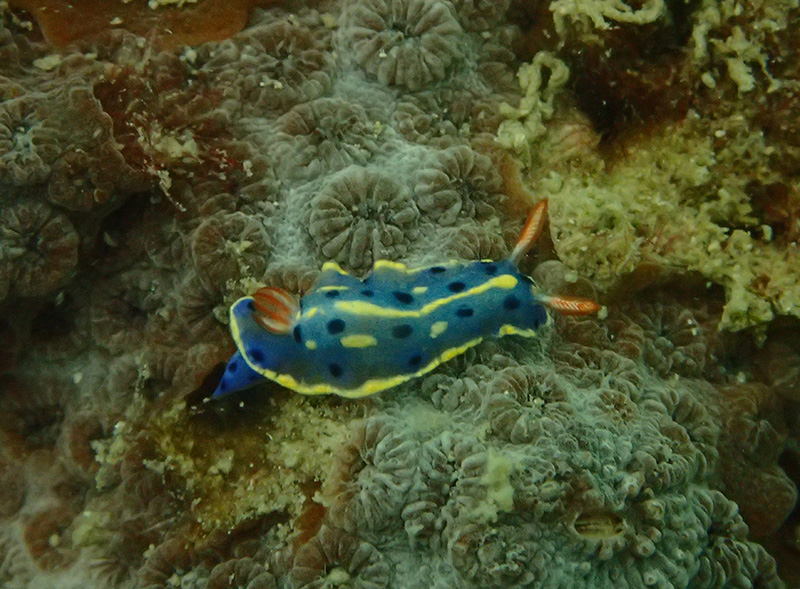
(228, 472)
(679, 202)
(687, 197)
(499, 490)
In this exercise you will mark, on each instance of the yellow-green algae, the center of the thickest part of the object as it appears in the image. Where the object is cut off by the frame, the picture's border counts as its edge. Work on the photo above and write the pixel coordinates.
(677, 197)
(229, 475)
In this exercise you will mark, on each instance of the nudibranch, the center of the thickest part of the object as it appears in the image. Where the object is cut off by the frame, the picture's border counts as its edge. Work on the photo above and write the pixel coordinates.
(353, 337)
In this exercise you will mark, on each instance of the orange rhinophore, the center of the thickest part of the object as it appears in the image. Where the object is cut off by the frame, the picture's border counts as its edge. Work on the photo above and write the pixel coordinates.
(275, 309)
(531, 231)
(571, 305)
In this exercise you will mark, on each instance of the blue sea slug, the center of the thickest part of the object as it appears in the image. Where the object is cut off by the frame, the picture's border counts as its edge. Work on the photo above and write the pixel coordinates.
(353, 337)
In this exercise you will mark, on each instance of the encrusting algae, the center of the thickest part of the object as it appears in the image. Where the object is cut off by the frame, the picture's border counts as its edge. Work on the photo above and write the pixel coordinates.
(685, 198)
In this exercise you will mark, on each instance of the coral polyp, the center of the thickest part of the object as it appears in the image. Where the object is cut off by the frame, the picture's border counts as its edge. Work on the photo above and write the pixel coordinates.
(38, 248)
(28, 149)
(463, 184)
(409, 43)
(334, 557)
(362, 216)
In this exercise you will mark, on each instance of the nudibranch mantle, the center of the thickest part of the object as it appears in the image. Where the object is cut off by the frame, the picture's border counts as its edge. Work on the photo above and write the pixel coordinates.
(354, 338)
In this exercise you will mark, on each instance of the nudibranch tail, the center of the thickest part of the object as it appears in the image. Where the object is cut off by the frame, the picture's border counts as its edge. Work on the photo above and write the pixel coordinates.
(238, 376)
(275, 309)
(530, 232)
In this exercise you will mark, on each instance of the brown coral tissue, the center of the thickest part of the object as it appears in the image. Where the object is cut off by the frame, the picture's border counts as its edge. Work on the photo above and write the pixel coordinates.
(333, 558)
(279, 63)
(43, 535)
(227, 247)
(64, 22)
(13, 487)
(242, 572)
(28, 146)
(38, 249)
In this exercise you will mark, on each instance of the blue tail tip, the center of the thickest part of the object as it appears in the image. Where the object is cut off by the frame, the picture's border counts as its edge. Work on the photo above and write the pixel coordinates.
(237, 377)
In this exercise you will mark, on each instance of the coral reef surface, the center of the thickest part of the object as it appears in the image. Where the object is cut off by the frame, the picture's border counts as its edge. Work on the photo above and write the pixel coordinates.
(158, 162)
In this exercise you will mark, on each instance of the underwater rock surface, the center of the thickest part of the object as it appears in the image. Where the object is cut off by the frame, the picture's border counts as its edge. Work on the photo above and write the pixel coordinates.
(145, 185)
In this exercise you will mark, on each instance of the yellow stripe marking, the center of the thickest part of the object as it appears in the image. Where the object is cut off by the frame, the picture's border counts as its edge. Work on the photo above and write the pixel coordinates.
(511, 330)
(327, 288)
(505, 281)
(369, 387)
(311, 344)
(333, 266)
(438, 328)
(389, 265)
(358, 340)
(309, 313)
(418, 290)
(284, 380)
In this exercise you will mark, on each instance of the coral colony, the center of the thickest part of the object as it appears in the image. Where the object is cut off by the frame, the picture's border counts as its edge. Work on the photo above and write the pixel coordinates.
(339, 185)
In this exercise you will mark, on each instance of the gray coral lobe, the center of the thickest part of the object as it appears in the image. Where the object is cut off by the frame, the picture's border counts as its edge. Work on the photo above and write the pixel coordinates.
(26, 150)
(463, 184)
(38, 248)
(279, 62)
(325, 135)
(361, 216)
(409, 43)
